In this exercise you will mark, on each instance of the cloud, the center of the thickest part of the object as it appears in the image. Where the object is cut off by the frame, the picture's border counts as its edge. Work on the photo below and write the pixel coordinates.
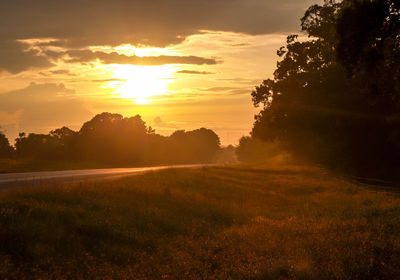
(82, 56)
(213, 89)
(153, 22)
(62, 72)
(159, 123)
(15, 57)
(79, 24)
(9, 118)
(41, 107)
(228, 90)
(240, 91)
(194, 72)
(242, 81)
(241, 45)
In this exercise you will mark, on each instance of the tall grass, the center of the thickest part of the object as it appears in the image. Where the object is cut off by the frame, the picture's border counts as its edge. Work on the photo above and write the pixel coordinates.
(237, 222)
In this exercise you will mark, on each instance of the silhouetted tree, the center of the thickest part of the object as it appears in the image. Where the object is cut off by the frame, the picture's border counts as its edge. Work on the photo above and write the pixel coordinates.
(64, 141)
(40, 146)
(369, 45)
(200, 145)
(319, 107)
(111, 139)
(6, 151)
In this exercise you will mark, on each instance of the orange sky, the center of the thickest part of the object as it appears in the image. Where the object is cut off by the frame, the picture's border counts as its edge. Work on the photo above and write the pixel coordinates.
(184, 65)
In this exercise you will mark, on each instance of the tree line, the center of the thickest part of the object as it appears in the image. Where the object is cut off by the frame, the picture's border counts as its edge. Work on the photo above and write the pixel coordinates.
(112, 139)
(334, 98)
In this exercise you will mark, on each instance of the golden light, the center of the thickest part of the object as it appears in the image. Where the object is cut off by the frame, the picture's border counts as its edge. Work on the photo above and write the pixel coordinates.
(140, 83)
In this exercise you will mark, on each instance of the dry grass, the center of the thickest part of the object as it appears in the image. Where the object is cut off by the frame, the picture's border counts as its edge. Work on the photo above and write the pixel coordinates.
(243, 222)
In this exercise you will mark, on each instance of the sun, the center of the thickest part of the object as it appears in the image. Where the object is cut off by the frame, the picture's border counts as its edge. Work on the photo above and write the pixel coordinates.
(140, 83)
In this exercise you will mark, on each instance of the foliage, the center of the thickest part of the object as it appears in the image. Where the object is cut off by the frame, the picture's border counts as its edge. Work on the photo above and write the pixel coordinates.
(253, 149)
(369, 45)
(111, 139)
(6, 151)
(331, 100)
(194, 146)
(244, 222)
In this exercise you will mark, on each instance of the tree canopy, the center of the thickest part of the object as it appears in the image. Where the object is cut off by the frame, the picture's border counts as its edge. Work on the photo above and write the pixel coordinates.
(111, 139)
(334, 98)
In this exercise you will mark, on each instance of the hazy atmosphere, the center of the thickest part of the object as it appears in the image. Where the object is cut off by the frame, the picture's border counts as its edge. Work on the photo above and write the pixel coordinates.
(179, 64)
(200, 139)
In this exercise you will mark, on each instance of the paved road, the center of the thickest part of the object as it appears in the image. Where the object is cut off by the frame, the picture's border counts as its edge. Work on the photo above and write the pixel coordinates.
(10, 180)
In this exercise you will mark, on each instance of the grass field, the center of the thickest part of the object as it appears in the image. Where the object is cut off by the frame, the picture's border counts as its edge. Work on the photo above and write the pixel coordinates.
(232, 222)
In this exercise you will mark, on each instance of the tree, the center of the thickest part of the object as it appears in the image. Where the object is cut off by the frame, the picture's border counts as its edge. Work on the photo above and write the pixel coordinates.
(200, 145)
(39, 146)
(369, 45)
(318, 107)
(112, 140)
(6, 151)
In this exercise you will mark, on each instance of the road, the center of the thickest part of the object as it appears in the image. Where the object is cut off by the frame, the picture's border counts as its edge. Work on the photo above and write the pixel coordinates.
(12, 180)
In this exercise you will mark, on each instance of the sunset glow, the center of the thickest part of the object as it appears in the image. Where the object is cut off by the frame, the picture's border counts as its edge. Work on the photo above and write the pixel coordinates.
(140, 83)
(179, 63)
(200, 139)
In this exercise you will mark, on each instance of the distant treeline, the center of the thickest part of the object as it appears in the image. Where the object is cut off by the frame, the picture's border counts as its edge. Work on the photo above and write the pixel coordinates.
(111, 139)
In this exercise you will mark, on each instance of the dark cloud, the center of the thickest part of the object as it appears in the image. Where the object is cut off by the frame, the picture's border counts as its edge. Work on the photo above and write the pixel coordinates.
(194, 72)
(83, 23)
(154, 22)
(15, 57)
(42, 107)
(83, 56)
(62, 72)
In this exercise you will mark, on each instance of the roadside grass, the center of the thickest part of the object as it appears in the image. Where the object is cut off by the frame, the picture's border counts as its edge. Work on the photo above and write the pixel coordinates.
(222, 222)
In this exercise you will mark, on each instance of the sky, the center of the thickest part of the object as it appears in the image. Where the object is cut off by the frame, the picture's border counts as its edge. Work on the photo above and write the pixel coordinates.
(180, 64)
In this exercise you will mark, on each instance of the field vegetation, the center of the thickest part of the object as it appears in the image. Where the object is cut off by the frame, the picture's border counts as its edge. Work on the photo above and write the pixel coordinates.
(271, 221)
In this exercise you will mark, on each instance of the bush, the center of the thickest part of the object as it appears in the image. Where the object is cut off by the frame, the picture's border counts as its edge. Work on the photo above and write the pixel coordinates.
(253, 149)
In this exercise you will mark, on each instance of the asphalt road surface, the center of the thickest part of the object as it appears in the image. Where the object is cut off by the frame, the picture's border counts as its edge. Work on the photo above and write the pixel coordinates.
(12, 180)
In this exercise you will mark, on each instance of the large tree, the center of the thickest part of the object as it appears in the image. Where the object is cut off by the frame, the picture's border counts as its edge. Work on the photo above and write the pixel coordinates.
(327, 102)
